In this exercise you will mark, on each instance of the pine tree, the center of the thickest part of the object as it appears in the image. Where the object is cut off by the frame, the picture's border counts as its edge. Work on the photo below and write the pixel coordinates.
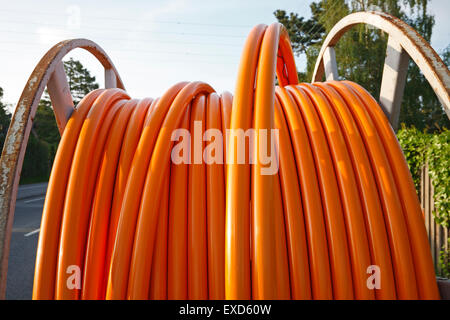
(81, 82)
(45, 134)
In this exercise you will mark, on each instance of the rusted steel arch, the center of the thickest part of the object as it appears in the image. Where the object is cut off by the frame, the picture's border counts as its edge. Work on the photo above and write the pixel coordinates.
(403, 41)
(48, 72)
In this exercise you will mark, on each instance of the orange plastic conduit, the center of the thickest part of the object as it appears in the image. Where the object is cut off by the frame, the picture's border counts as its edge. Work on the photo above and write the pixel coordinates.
(131, 223)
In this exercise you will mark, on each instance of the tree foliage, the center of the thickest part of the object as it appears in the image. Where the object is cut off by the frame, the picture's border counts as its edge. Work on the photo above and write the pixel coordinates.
(422, 148)
(81, 82)
(307, 32)
(5, 119)
(360, 53)
(45, 135)
(37, 161)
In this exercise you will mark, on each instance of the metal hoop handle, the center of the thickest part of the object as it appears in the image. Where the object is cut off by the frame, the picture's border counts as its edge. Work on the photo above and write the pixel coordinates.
(48, 72)
(403, 43)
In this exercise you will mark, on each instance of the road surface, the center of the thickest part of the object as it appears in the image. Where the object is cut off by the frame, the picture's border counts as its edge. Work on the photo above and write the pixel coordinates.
(25, 233)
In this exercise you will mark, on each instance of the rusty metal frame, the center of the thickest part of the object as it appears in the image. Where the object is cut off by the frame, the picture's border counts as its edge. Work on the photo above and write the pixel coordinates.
(403, 41)
(49, 72)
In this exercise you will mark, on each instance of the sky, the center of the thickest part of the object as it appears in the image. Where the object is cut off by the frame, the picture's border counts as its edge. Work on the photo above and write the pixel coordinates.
(153, 44)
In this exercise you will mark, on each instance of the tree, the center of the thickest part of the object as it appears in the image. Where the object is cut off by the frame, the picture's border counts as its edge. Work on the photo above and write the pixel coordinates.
(304, 34)
(420, 106)
(361, 51)
(301, 29)
(5, 119)
(45, 134)
(81, 82)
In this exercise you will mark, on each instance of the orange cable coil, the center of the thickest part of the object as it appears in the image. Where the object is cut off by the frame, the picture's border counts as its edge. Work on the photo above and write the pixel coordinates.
(140, 226)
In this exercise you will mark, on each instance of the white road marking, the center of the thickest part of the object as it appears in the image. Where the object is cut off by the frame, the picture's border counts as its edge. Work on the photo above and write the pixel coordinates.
(35, 199)
(32, 232)
(31, 187)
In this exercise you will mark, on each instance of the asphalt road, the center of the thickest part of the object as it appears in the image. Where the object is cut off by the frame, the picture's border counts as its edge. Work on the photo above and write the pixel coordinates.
(25, 233)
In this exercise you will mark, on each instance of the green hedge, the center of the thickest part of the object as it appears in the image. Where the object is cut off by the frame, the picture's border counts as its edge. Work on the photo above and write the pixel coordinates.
(37, 162)
(420, 148)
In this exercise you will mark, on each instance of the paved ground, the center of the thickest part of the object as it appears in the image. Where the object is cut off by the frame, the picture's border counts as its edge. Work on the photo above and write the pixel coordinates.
(27, 220)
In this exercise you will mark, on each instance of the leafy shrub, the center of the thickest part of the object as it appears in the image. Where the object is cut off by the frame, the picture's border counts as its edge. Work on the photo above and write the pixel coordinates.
(434, 149)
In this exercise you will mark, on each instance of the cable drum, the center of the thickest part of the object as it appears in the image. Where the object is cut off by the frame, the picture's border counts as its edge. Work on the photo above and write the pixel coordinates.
(324, 208)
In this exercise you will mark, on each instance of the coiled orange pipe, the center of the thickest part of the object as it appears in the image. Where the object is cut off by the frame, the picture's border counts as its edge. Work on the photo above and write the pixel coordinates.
(139, 226)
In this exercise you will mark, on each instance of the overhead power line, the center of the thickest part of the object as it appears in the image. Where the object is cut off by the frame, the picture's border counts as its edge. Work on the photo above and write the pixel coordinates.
(134, 20)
